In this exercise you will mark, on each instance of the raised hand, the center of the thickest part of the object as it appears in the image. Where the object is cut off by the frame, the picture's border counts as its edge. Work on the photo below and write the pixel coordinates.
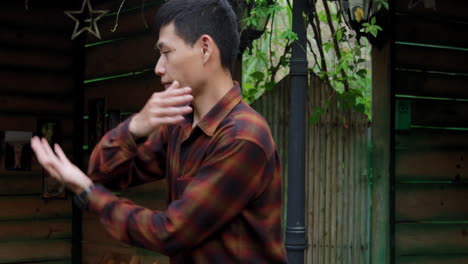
(167, 107)
(58, 165)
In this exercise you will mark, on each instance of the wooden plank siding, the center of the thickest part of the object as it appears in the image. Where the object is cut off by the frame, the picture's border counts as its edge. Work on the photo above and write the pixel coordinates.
(441, 32)
(424, 84)
(452, 10)
(431, 202)
(36, 81)
(337, 202)
(430, 172)
(115, 89)
(415, 238)
(35, 251)
(434, 259)
(441, 59)
(123, 56)
(132, 20)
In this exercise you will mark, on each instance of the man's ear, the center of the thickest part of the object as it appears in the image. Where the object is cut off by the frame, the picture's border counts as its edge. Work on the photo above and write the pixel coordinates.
(207, 47)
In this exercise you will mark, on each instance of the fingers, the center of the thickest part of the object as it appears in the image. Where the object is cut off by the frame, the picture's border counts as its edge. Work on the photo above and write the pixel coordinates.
(49, 152)
(178, 100)
(61, 155)
(172, 111)
(167, 107)
(36, 146)
(175, 92)
(170, 119)
(174, 85)
(42, 154)
(44, 157)
(174, 102)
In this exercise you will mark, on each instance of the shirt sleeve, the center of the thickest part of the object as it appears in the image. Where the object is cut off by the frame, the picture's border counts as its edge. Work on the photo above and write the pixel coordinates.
(118, 161)
(221, 189)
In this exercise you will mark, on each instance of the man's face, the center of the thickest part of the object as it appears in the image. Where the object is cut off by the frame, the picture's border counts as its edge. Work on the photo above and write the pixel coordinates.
(179, 61)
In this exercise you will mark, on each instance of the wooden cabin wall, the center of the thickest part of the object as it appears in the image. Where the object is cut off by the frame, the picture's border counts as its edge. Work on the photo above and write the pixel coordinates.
(36, 82)
(430, 81)
(120, 68)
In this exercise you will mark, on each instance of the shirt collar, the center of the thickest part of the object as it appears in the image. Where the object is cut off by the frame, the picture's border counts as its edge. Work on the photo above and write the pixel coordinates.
(210, 122)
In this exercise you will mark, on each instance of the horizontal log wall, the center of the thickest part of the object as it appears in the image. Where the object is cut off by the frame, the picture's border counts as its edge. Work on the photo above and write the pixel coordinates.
(430, 169)
(36, 82)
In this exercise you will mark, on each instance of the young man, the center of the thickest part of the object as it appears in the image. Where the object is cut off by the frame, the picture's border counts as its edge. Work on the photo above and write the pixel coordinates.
(216, 153)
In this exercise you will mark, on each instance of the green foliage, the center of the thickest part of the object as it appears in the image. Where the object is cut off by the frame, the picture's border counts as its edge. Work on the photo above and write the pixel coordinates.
(371, 27)
(381, 4)
(261, 11)
(270, 54)
(338, 57)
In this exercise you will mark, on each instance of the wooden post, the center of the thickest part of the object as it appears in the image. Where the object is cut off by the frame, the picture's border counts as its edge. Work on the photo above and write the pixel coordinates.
(381, 128)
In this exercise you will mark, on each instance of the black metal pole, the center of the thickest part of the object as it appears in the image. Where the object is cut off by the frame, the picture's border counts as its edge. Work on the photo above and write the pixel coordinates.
(296, 241)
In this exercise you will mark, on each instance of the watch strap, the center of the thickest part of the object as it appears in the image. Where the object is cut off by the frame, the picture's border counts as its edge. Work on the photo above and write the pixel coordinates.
(81, 199)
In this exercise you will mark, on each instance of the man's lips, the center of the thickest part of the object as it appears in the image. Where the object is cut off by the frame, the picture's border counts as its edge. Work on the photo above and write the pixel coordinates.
(166, 85)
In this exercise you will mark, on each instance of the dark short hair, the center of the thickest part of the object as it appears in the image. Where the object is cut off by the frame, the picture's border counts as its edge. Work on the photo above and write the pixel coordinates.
(194, 18)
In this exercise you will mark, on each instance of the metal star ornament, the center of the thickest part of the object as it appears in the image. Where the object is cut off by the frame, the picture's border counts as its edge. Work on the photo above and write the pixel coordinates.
(92, 16)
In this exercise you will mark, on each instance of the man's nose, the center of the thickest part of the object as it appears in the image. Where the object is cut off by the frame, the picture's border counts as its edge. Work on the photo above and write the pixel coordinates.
(160, 69)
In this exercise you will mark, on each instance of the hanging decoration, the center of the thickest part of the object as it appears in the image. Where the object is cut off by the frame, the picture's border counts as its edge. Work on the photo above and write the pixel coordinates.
(86, 19)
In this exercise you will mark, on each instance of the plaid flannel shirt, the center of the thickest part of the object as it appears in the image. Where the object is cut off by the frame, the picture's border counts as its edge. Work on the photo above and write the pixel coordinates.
(224, 187)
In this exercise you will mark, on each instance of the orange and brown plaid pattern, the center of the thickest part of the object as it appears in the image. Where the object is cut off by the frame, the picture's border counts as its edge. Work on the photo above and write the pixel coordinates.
(224, 187)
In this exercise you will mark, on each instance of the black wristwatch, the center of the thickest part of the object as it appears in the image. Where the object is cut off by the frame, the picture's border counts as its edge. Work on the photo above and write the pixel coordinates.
(81, 200)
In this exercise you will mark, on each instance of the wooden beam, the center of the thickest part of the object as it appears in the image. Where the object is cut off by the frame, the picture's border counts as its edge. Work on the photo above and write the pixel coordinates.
(432, 140)
(35, 230)
(431, 84)
(431, 202)
(435, 239)
(431, 165)
(438, 113)
(117, 91)
(448, 9)
(31, 207)
(32, 113)
(433, 259)
(431, 59)
(119, 57)
(35, 82)
(410, 28)
(381, 115)
(11, 103)
(34, 251)
(35, 38)
(52, 18)
(39, 59)
(129, 23)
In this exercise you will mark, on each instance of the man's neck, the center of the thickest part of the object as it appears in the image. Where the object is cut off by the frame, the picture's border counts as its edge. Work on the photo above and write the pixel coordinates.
(210, 95)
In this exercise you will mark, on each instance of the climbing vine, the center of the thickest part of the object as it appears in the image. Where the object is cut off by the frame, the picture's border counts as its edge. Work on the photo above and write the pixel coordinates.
(337, 54)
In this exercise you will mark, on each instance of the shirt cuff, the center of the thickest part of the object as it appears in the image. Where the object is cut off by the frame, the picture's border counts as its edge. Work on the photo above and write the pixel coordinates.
(122, 136)
(99, 197)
